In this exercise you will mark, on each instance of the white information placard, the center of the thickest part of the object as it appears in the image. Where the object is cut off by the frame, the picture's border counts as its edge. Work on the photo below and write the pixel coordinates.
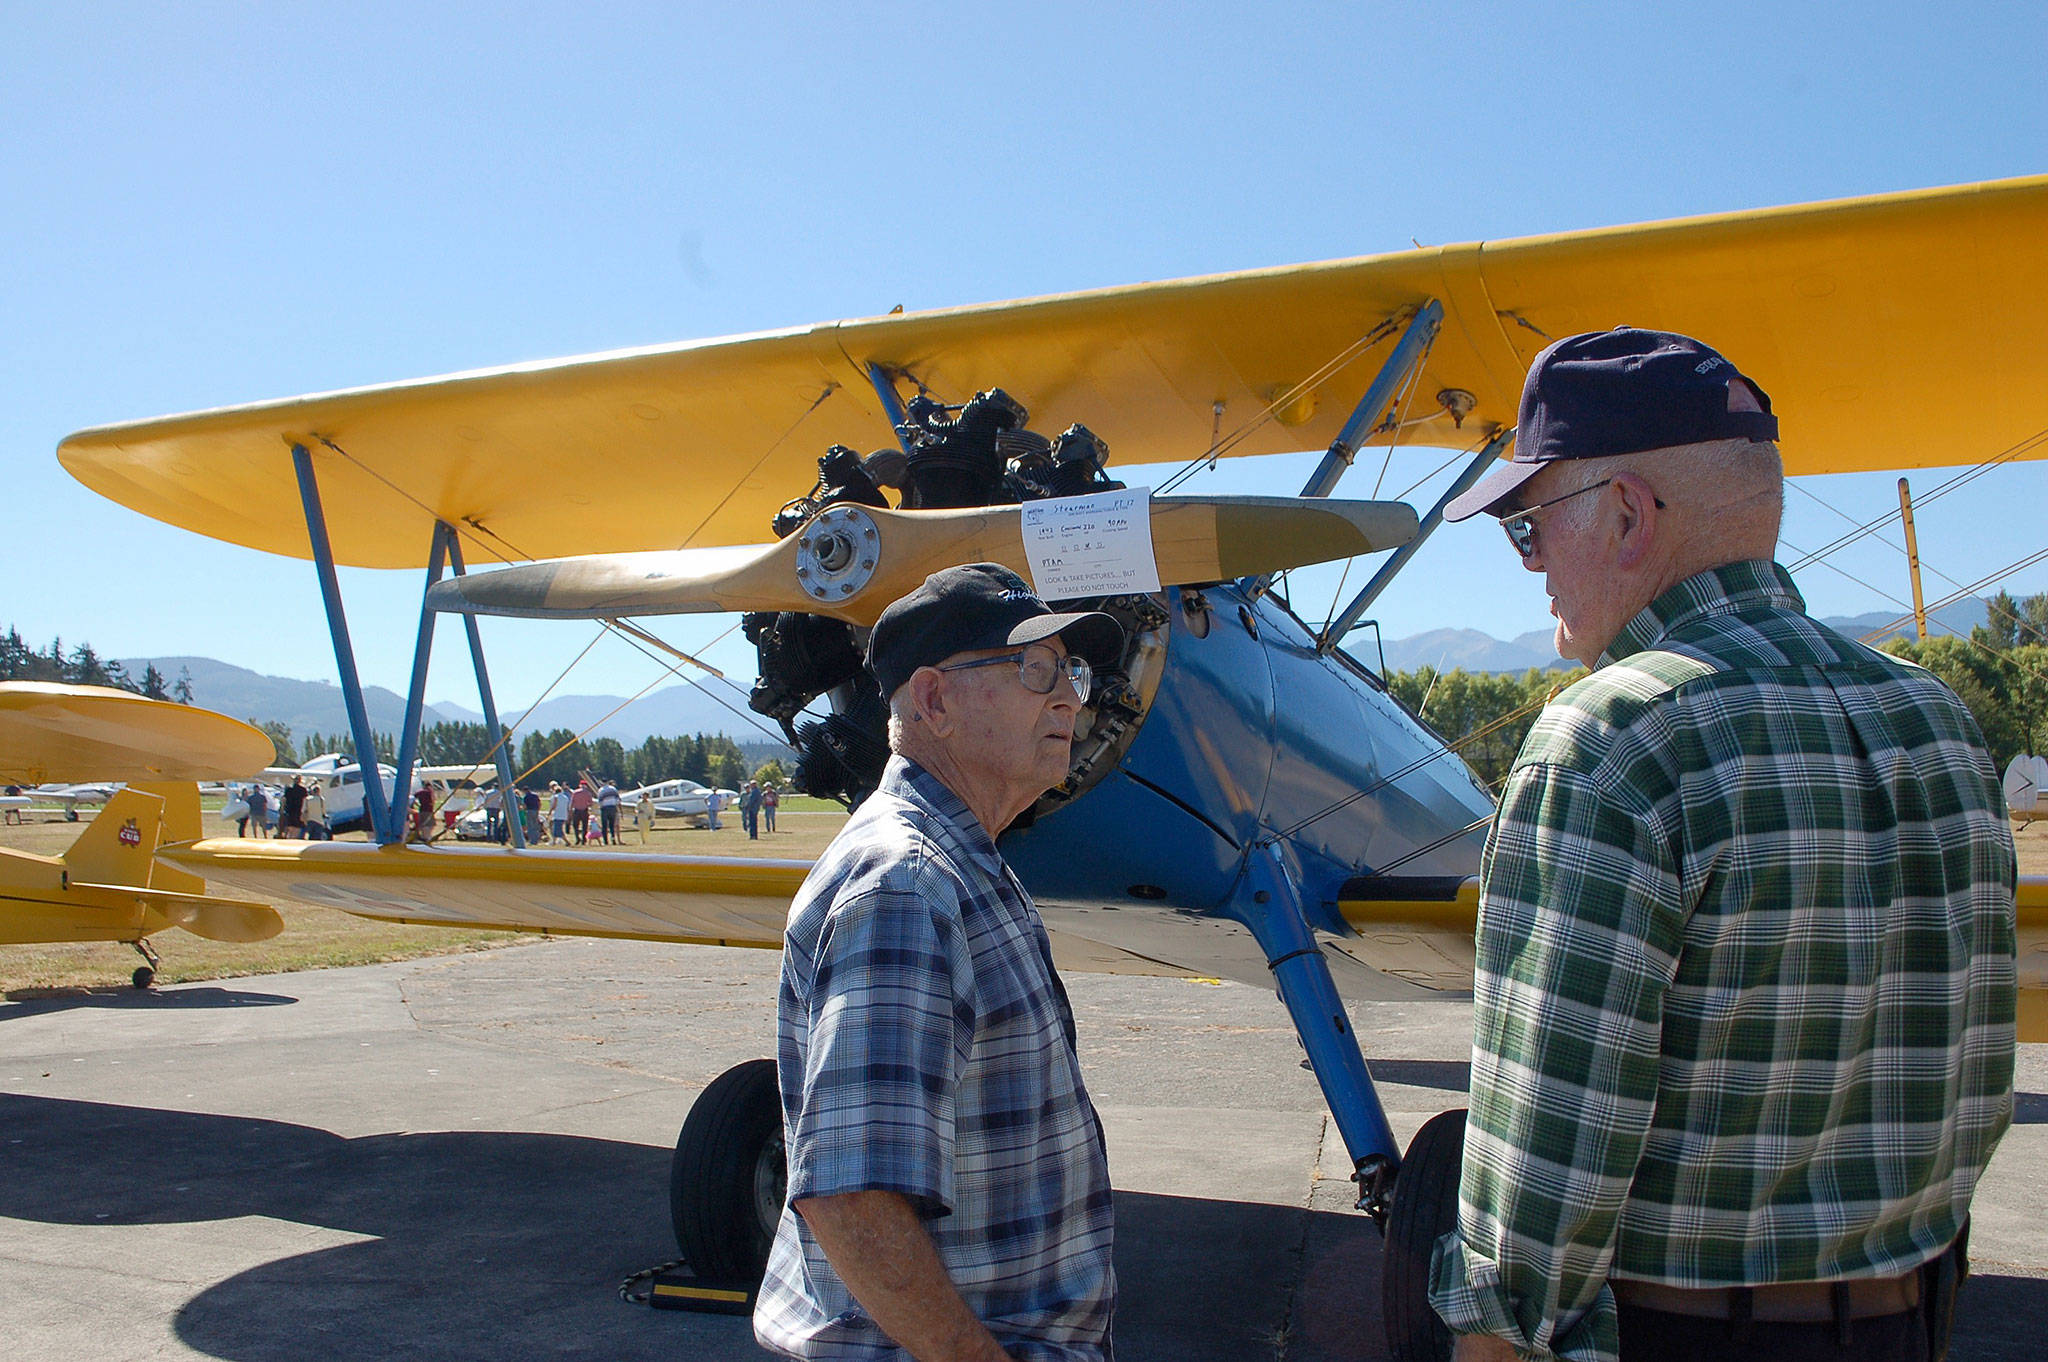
(1094, 545)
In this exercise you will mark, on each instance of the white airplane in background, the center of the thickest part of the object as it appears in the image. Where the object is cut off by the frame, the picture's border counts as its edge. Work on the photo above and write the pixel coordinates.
(681, 798)
(72, 796)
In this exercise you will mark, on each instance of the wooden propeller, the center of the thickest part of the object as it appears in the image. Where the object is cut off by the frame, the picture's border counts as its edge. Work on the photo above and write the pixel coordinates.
(851, 561)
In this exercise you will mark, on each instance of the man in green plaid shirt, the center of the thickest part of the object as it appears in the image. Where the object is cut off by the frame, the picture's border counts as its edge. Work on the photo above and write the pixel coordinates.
(1743, 1022)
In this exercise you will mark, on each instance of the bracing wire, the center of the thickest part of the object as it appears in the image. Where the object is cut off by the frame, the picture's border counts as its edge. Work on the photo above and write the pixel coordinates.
(511, 553)
(1240, 433)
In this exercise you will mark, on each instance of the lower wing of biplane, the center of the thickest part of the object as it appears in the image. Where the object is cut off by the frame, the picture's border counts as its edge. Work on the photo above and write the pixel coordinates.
(1403, 948)
(109, 885)
(1406, 937)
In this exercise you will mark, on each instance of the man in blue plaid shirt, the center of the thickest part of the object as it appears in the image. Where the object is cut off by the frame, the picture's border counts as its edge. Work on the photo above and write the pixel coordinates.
(949, 1193)
(1743, 1014)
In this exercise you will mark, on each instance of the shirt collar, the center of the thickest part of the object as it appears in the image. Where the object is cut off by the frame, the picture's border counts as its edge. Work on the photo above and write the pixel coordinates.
(908, 781)
(1725, 590)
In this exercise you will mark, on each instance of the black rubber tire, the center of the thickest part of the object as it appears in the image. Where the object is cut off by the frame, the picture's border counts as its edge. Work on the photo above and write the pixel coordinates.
(726, 1182)
(143, 977)
(1424, 1209)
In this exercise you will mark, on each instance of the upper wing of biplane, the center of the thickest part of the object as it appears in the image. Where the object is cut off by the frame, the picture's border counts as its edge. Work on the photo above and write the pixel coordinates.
(1893, 331)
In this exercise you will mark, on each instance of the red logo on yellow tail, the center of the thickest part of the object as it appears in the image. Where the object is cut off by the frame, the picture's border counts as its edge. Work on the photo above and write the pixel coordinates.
(129, 835)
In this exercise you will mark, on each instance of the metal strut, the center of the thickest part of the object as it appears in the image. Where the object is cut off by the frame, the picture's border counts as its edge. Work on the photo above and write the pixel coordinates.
(416, 693)
(892, 405)
(1365, 417)
(375, 805)
(1268, 901)
(1341, 624)
(1379, 395)
(492, 729)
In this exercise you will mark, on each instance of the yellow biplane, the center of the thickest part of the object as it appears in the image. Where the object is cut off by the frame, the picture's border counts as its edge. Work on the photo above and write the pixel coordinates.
(109, 886)
(1246, 800)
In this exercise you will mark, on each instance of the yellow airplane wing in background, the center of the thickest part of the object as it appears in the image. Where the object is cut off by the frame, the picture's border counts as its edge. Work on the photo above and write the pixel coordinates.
(52, 732)
(1891, 332)
(109, 886)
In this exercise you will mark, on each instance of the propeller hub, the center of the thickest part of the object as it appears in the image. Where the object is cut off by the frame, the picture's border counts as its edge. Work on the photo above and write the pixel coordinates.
(837, 553)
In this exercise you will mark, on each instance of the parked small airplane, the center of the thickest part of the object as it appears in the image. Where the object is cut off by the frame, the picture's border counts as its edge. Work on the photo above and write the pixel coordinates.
(681, 799)
(1246, 800)
(109, 886)
(70, 797)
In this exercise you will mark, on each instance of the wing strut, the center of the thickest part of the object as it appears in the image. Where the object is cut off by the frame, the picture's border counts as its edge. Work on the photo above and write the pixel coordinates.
(892, 403)
(1268, 901)
(416, 693)
(1407, 354)
(374, 803)
(1366, 416)
(492, 729)
(1334, 632)
(386, 818)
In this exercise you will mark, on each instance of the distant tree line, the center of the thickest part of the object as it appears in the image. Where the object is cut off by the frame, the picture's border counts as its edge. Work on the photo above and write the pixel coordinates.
(1483, 716)
(2000, 672)
(81, 666)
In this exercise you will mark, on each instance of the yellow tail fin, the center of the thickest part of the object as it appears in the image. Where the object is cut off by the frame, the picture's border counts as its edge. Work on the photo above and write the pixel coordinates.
(121, 843)
(182, 823)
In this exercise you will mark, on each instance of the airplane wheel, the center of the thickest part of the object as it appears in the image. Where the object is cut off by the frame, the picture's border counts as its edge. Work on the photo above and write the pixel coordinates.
(1424, 1209)
(726, 1182)
(71, 815)
(143, 977)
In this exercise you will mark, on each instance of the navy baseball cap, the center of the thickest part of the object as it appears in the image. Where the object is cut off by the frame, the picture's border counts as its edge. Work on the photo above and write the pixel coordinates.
(976, 606)
(1621, 392)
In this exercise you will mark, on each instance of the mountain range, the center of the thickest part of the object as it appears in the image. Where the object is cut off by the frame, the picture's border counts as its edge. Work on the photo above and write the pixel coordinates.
(717, 707)
(316, 706)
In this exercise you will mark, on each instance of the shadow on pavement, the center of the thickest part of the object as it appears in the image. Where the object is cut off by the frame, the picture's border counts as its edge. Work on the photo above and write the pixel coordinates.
(36, 1002)
(493, 1244)
(1450, 1075)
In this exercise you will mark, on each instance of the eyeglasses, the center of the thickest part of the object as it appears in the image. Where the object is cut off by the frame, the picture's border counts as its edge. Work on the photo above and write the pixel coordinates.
(1521, 526)
(1039, 668)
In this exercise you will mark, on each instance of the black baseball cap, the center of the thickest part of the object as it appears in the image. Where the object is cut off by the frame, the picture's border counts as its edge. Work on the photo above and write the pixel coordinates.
(1623, 391)
(976, 606)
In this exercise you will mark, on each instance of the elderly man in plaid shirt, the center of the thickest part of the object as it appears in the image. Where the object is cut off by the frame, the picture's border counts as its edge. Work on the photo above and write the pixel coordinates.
(1743, 1024)
(948, 1191)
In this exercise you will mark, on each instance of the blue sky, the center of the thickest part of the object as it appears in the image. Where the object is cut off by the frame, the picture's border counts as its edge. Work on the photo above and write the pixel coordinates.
(221, 203)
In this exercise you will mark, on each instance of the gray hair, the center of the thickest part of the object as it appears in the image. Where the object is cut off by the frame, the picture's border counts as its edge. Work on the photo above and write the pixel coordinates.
(1714, 475)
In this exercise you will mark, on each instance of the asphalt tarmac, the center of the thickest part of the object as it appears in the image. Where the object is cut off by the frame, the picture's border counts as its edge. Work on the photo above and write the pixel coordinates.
(462, 1157)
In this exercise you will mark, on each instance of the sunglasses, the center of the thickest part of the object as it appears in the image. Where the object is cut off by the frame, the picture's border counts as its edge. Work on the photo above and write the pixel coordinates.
(1039, 668)
(1521, 526)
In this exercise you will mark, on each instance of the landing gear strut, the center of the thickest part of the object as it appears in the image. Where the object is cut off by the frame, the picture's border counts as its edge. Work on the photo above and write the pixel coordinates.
(726, 1182)
(145, 974)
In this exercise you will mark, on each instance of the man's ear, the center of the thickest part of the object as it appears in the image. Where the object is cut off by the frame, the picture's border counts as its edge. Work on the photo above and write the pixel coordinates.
(1638, 520)
(928, 702)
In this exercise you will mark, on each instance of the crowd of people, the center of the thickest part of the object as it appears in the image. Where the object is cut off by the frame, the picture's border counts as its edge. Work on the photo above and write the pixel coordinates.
(594, 810)
(591, 810)
(299, 812)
